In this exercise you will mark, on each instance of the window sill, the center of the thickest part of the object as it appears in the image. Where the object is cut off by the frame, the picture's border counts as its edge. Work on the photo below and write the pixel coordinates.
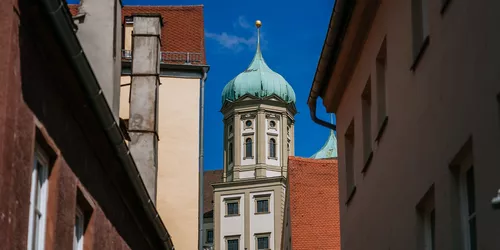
(381, 130)
(232, 215)
(272, 158)
(444, 6)
(246, 158)
(257, 213)
(367, 162)
(351, 195)
(420, 53)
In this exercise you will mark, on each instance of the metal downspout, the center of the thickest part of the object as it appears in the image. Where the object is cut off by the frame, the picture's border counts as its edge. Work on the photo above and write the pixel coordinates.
(336, 31)
(59, 17)
(200, 159)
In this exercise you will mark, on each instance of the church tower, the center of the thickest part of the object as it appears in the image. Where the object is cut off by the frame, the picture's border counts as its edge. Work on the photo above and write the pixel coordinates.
(259, 108)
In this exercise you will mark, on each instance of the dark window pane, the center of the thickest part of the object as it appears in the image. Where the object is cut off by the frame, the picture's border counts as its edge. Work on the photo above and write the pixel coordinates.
(210, 236)
(272, 148)
(232, 208)
(248, 149)
(230, 152)
(232, 245)
(263, 206)
(263, 243)
(471, 197)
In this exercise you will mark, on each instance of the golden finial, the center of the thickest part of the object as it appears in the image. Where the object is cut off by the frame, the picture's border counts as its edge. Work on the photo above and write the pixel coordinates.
(258, 23)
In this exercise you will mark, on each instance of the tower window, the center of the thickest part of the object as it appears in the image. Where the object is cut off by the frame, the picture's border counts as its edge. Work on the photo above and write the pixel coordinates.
(248, 148)
(230, 156)
(248, 123)
(272, 148)
(230, 129)
(272, 124)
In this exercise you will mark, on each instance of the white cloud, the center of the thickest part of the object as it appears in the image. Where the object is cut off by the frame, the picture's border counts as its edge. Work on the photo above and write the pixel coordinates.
(235, 42)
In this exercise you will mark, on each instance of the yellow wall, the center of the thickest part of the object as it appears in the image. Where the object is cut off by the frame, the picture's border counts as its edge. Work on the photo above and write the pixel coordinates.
(177, 191)
(128, 36)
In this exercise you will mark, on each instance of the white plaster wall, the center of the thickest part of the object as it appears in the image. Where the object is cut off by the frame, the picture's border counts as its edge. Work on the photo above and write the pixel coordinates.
(270, 173)
(262, 223)
(247, 174)
(273, 133)
(232, 225)
(247, 132)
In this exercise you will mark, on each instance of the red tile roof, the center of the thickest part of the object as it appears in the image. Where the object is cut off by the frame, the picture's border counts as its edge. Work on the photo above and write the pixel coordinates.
(183, 26)
(314, 203)
(209, 178)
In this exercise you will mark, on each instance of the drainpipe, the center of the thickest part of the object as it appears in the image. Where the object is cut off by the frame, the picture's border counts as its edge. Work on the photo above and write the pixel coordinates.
(200, 159)
(336, 30)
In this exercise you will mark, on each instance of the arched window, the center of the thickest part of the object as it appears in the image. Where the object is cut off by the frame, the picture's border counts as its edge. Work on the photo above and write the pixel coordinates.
(248, 148)
(230, 156)
(272, 148)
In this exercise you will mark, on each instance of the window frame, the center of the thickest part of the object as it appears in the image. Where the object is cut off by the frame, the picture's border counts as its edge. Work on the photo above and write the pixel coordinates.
(366, 106)
(350, 162)
(232, 200)
(38, 198)
(464, 204)
(273, 148)
(247, 139)
(207, 233)
(420, 22)
(266, 197)
(230, 238)
(260, 236)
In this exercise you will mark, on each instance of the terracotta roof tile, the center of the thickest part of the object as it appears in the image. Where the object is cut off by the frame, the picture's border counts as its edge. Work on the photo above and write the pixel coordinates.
(314, 203)
(183, 26)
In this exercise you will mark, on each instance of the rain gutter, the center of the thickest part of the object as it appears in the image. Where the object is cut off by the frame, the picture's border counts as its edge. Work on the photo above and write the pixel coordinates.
(329, 54)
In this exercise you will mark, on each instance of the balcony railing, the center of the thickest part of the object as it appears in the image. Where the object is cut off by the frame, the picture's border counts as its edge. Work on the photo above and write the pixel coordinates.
(171, 57)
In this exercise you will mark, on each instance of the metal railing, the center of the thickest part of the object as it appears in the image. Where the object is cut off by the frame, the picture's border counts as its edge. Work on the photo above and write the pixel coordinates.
(171, 57)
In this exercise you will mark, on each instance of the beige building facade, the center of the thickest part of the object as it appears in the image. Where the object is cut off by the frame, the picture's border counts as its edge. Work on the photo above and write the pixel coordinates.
(181, 77)
(415, 88)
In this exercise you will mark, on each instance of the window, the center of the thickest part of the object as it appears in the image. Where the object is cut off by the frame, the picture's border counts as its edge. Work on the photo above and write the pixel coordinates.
(248, 148)
(427, 221)
(272, 124)
(232, 207)
(78, 230)
(248, 123)
(468, 200)
(38, 201)
(210, 236)
(272, 148)
(233, 244)
(230, 129)
(262, 242)
(366, 99)
(381, 68)
(349, 159)
(262, 203)
(420, 26)
(464, 197)
(230, 156)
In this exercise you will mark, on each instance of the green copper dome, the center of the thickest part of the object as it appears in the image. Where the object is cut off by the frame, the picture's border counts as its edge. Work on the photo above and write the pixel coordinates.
(258, 80)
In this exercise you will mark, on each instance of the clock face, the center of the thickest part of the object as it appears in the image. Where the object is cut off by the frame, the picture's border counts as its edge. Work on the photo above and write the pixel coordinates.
(248, 123)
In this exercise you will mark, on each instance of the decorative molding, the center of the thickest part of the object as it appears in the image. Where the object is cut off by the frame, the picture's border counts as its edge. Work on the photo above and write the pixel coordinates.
(248, 116)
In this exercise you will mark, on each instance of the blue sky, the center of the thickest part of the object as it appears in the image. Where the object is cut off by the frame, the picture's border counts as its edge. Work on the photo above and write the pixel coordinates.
(292, 36)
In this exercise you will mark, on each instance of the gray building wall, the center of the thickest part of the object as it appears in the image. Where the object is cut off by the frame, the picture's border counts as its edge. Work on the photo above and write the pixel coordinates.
(100, 34)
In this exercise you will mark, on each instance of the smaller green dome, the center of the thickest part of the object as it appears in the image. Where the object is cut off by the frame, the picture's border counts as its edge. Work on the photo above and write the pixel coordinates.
(258, 80)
